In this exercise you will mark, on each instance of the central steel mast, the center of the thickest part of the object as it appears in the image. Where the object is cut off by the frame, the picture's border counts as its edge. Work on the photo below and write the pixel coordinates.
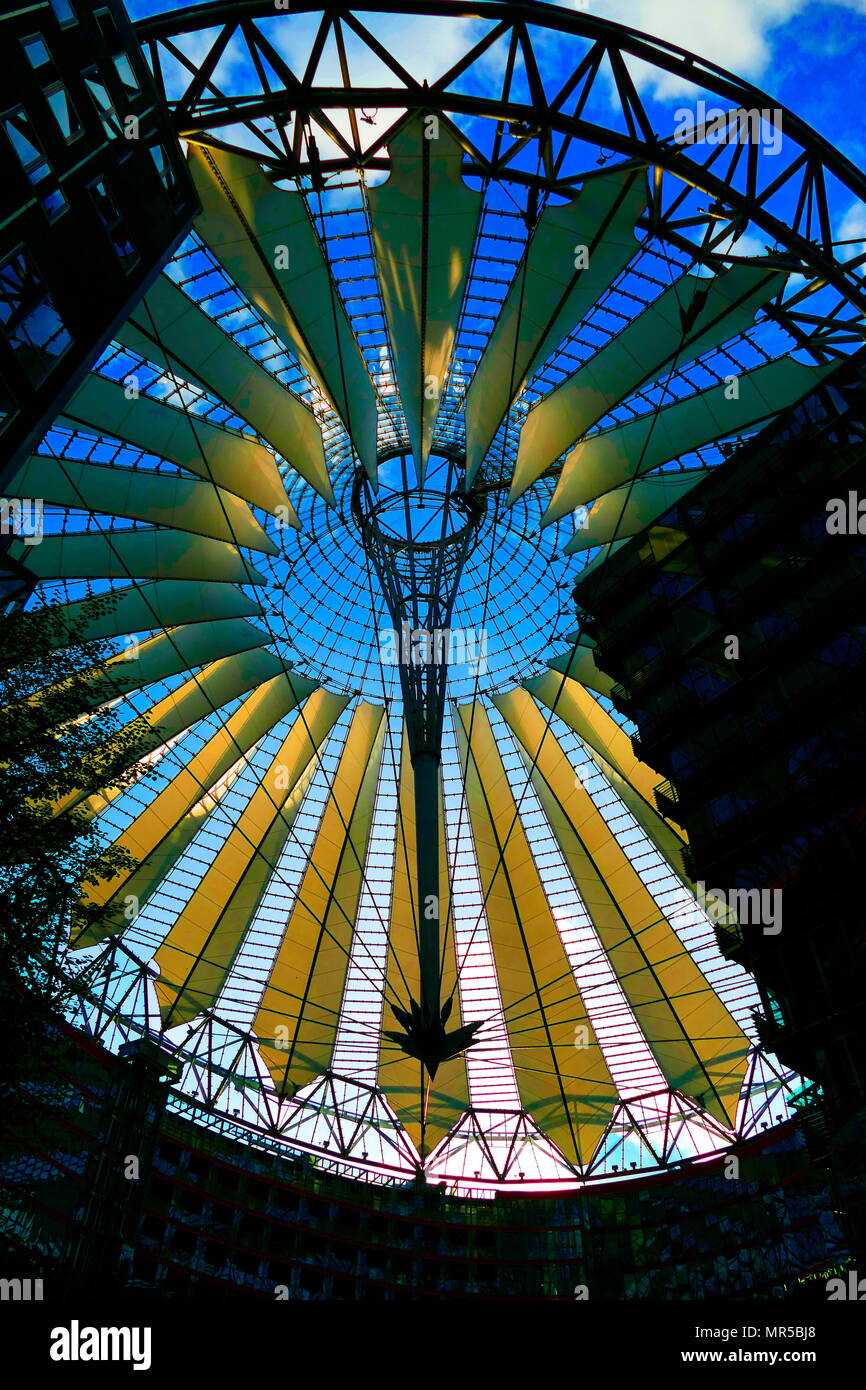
(419, 564)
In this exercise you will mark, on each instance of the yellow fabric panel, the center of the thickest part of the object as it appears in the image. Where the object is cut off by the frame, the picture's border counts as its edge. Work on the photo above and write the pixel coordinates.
(265, 240)
(158, 603)
(197, 955)
(567, 1089)
(156, 553)
(550, 294)
(610, 746)
(172, 331)
(216, 685)
(233, 461)
(163, 499)
(427, 1110)
(305, 990)
(628, 509)
(580, 665)
(423, 219)
(642, 351)
(399, 1075)
(609, 458)
(159, 835)
(583, 713)
(168, 653)
(698, 1045)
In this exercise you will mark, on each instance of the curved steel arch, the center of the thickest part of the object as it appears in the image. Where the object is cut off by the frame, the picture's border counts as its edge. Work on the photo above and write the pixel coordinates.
(808, 235)
(216, 1055)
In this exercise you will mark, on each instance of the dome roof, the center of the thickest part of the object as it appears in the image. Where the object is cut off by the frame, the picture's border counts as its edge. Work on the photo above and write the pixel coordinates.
(363, 391)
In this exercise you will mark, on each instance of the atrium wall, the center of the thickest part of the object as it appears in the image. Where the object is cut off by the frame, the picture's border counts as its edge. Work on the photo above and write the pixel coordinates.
(95, 198)
(212, 1216)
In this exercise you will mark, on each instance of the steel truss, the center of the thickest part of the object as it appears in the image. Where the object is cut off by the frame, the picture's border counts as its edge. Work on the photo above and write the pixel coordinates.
(745, 182)
(348, 1125)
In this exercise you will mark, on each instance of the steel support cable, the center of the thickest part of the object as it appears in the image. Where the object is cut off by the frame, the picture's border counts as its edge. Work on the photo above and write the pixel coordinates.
(436, 581)
(400, 827)
(355, 936)
(560, 688)
(300, 712)
(275, 872)
(496, 518)
(485, 605)
(525, 266)
(424, 706)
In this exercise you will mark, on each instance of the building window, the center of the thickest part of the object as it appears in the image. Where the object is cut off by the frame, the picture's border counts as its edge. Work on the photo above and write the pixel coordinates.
(36, 51)
(113, 221)
(105, 108)
(109, 31)
(123, 68)
(164, 168)
(25, 142)
(64, 112)
(64, 12)
(29, 319)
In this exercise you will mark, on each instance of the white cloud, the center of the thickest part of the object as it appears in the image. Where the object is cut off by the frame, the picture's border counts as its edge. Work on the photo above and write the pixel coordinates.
(852, 228)
(734, 34)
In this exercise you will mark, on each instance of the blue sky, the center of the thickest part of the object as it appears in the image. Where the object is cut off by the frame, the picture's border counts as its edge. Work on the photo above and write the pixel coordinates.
(811, 54)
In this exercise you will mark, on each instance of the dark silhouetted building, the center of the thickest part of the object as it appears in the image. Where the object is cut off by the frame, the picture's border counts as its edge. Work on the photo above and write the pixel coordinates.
(735, 628)
(94, 197)
(213, 1216)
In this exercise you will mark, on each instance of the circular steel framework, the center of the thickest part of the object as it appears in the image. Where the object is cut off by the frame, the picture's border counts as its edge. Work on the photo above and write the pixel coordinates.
(533, 135)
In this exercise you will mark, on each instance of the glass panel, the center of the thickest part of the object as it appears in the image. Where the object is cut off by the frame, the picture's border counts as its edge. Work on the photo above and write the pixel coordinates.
(36, 51)
(126, 74)
(29, 318)
(164, 167)
(25, 145)
(53, 201)
(103, 103)
(113, 222)
(105, 204)
(64, 112)
(64, 12)
(25, 142)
